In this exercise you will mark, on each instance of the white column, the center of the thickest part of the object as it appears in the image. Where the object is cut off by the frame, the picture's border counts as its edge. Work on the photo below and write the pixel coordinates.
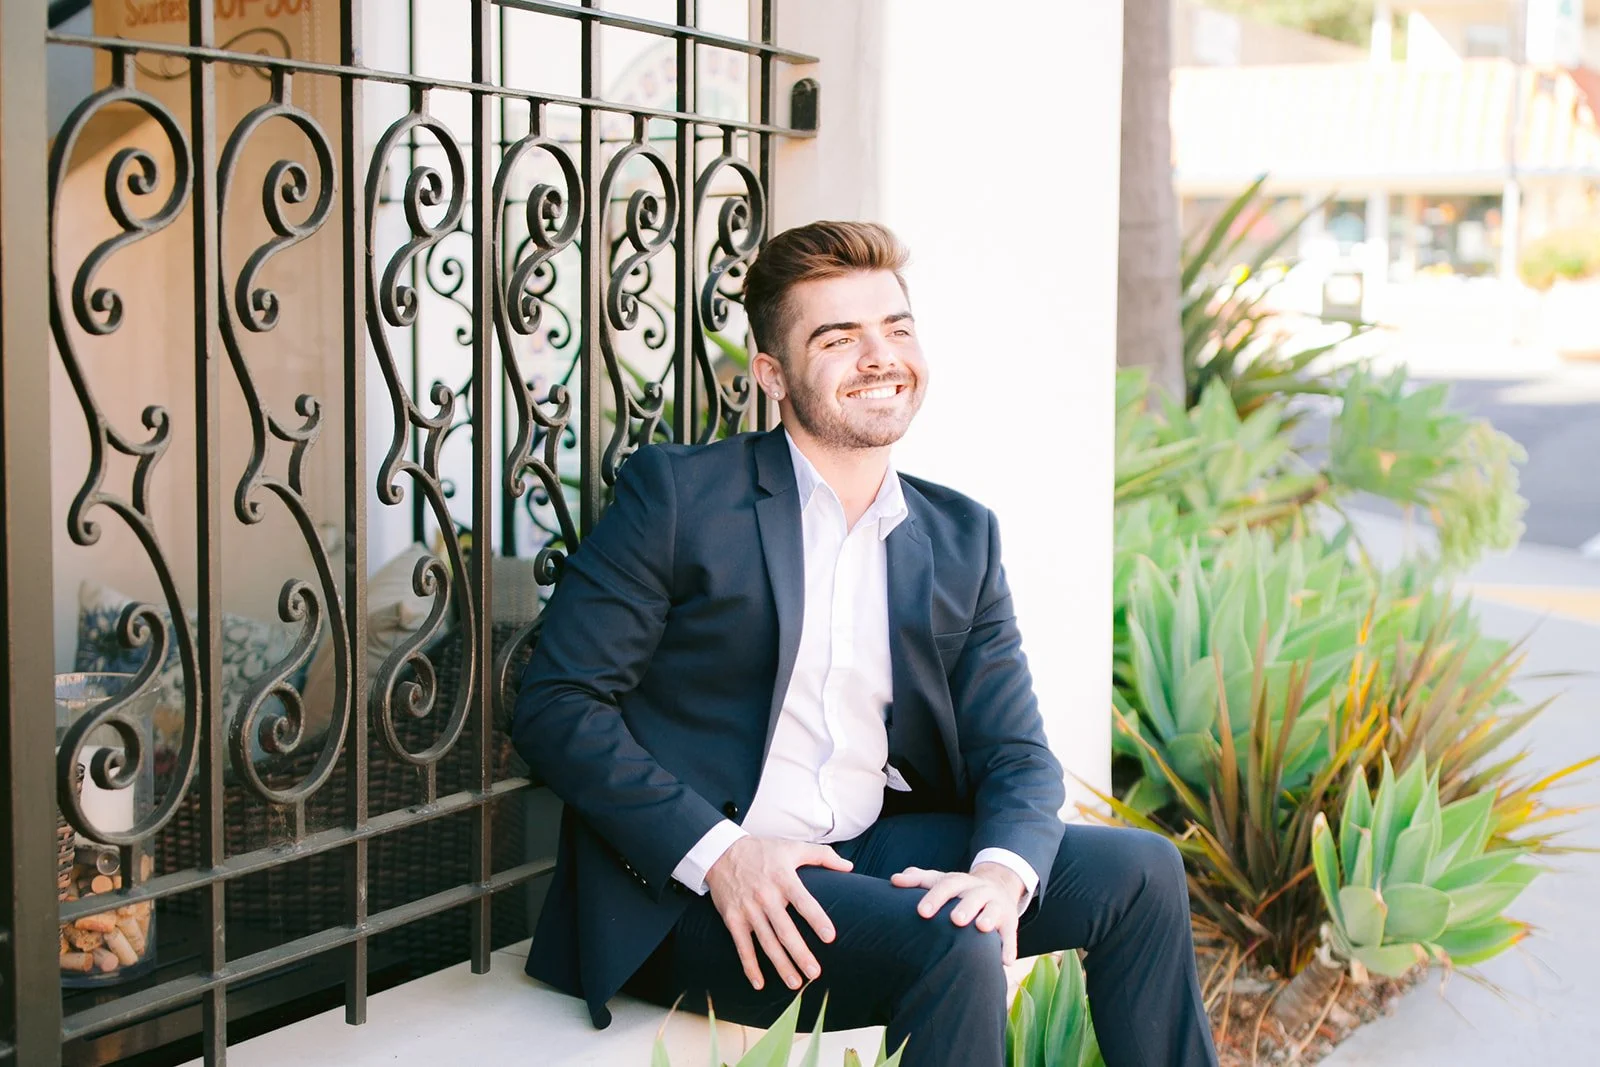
(1382, 32)
(957, 132)
(1510, 229)
(1375, 270)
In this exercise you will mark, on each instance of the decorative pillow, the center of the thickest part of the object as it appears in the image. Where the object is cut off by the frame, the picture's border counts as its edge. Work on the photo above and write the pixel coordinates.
(250, 647)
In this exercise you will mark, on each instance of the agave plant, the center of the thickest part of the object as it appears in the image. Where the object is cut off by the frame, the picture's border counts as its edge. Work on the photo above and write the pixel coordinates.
(1408, 880)
(1206, 637)
(776, 1046)
(1049, 1025)
(1244, 833)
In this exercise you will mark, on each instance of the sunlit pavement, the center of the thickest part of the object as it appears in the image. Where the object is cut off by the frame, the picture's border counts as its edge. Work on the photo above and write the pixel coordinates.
(1539, 1003)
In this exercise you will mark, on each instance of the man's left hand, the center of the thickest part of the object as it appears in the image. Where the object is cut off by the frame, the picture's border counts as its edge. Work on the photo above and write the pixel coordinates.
(990, 895)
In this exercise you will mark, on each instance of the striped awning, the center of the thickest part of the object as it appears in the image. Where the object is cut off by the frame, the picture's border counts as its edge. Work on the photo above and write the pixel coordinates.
(1393, 125)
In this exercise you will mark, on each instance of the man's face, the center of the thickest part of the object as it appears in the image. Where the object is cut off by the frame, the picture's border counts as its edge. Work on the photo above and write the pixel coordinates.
(853, 369)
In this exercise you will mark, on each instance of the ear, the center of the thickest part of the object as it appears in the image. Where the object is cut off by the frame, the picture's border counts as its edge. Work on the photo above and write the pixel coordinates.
(768, 371)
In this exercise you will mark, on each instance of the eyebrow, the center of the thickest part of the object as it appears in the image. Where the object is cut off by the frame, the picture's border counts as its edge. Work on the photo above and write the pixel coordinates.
(829, 327)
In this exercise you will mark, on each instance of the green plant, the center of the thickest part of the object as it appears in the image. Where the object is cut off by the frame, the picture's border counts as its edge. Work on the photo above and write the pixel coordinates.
(1049, 1024)
(1204, 636)
(1245, 834)
(1406, 445)
(1230, 334)
(1408, 879)
(777, 1044)
(1422, 687)
(1572, 254)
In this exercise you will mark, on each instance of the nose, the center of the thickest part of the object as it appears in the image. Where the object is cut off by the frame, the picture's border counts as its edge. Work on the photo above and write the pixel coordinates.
(875, 355)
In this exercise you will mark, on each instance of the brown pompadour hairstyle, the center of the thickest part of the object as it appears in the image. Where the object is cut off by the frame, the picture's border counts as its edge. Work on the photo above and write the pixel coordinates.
(807, 253)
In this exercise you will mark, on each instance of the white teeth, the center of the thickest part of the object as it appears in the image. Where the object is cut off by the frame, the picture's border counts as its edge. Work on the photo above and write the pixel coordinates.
(878, 394)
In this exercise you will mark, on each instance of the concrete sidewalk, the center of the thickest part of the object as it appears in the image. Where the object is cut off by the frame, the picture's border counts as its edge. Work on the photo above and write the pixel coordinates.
(1544, 1010)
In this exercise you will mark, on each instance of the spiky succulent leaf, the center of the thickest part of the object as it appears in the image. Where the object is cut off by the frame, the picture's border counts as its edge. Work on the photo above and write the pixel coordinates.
(1020, 1030)
(1391, 960)
(772, 1050)
(1474, 904)
(1416, 913)
(1326, 861)
(1469, 945)
(1357, 816)
(1478, 871)
(1363, 912)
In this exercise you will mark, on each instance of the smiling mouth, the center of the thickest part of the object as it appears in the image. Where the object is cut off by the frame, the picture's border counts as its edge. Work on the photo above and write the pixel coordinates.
(876, 392)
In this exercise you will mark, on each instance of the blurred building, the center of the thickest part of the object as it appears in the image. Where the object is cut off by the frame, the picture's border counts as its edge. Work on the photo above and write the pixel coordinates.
(1467, 129)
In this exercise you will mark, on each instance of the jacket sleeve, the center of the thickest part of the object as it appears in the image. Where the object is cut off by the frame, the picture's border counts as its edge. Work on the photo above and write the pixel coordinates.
(600, 630)
(1017, 781)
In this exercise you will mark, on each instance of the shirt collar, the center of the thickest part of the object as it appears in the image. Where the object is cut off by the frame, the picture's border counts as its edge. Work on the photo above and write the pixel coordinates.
(888, 507)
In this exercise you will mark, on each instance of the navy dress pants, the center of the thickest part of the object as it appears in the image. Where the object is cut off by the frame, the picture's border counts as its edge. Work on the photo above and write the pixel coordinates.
(1120, 894)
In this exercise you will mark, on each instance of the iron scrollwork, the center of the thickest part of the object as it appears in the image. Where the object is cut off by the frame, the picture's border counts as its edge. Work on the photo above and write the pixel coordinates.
(741, 225)
(98, 312)
(393, 303)
(256, 308)
(649, 222)
(553, 215)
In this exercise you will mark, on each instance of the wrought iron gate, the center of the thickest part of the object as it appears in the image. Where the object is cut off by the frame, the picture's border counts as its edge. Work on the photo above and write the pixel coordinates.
(599, 247)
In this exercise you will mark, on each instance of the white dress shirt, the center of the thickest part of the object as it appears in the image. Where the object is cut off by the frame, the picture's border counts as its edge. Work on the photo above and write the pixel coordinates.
(828, 763)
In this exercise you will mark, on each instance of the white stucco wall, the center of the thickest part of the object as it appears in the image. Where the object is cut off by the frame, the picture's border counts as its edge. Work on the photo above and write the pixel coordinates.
(990, 145)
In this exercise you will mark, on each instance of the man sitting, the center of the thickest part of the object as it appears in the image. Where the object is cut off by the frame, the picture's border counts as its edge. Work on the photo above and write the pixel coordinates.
(781, 690)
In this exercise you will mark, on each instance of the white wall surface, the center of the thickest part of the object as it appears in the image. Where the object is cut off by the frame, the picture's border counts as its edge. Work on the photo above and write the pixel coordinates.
(990, 145)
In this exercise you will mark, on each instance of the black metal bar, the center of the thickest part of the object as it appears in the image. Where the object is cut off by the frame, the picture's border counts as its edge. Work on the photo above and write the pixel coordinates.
(352, 218)
(685, 398)
(208, 524)
(592, 15)
(208, 514)
(591, 439)
(484, 376)
(246, 863)
(30, 1009)
(766, 163)
(419, 532)
(332, 70)
(508, 503)
(182, 991)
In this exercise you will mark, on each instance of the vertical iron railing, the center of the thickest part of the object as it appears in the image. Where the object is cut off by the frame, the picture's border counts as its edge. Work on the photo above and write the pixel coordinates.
(29, 1027)
(611, 191)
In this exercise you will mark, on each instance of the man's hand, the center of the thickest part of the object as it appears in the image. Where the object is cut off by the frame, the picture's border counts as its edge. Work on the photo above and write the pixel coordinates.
(991, 894)
(753, 886)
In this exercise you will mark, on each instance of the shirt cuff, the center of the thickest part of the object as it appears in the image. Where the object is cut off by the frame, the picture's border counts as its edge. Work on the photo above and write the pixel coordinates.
(691, 870)
(1016, 865)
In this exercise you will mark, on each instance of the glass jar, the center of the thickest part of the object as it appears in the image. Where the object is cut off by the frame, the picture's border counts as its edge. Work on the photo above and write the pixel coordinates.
(119, 942)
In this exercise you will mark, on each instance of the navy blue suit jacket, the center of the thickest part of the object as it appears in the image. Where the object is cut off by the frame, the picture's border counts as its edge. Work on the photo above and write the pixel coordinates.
(664, 658)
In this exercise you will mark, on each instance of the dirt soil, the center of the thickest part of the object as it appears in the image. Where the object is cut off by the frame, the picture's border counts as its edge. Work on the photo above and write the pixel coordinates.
(1239, 1004)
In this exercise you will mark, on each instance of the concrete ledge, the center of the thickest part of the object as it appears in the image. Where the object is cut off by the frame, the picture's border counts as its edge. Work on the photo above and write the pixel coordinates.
(457, 1017)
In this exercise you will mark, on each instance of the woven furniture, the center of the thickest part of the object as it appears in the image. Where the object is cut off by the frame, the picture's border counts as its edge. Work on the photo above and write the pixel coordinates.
(292, 900)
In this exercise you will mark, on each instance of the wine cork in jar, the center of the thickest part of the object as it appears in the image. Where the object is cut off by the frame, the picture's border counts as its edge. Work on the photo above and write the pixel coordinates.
(77, 962)
(130, 929)
(119, 946)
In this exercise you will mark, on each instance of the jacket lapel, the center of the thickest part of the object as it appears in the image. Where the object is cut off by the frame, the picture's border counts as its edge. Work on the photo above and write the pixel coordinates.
(783, 547)
(921, 699)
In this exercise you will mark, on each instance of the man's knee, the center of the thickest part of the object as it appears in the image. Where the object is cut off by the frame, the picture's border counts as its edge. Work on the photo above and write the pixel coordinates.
(1153, 872)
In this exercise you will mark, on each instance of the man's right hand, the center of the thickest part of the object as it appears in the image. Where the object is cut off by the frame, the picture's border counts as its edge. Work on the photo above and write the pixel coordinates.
(753, 885)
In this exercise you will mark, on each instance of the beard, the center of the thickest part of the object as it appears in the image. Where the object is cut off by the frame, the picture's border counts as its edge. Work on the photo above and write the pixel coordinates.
(821, 416)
